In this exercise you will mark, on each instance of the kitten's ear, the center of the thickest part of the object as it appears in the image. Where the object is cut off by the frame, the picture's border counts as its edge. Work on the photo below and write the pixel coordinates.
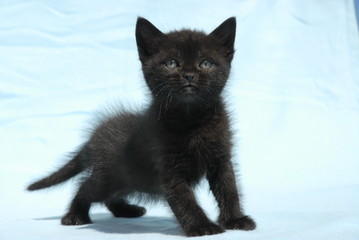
(147, 37)
(225, 35)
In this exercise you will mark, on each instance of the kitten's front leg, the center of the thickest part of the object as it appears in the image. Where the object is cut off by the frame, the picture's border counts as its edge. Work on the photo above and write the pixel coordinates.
(188, 213)
(223, 185)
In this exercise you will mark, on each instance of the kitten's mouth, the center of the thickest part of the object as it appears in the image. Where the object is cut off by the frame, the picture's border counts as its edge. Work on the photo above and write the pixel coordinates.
(189, 88)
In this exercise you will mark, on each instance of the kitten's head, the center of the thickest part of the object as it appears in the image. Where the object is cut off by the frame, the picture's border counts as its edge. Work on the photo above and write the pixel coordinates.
(185, 66)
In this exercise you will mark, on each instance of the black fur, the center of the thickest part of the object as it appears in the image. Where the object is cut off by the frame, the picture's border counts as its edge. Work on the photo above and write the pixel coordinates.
(183, 136)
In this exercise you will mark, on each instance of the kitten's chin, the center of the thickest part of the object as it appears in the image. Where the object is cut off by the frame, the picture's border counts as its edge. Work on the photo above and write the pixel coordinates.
(189, 90)
(189, 95)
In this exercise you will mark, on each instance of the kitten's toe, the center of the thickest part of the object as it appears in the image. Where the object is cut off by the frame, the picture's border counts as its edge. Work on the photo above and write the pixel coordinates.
(243, 223)
(207, 229)
(75, 219)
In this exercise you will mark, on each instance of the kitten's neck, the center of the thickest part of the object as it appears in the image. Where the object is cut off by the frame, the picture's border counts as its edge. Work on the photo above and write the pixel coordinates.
(187, 117)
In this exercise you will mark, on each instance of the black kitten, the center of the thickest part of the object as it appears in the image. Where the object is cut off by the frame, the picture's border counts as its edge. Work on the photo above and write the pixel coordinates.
(183, 136)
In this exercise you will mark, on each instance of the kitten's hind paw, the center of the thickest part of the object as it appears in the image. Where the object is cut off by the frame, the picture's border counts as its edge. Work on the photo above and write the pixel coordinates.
(75, 219)
(125, 210)
(242, 223)
(208, 229)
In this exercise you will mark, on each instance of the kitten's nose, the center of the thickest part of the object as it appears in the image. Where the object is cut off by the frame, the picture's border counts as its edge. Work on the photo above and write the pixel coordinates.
(189, 76)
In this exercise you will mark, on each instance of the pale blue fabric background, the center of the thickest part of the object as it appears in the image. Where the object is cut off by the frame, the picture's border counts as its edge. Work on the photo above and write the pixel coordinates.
(293, 95)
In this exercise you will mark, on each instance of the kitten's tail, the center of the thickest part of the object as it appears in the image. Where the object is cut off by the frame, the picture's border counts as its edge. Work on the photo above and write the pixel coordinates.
(69, 170)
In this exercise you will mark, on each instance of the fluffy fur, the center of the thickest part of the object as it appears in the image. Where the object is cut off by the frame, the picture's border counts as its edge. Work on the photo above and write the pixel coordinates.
(183, 136)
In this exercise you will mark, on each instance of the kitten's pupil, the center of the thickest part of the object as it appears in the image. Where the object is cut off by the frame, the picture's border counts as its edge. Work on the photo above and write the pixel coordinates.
(171, 63)
(206, 64)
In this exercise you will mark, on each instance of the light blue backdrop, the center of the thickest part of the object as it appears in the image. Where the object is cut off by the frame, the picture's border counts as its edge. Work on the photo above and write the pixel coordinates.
(293, 95)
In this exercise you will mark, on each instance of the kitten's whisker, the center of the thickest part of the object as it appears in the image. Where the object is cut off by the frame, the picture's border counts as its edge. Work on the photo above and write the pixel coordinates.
(161, 90)
(159, 113)
(158, 86)
(167, 98)
(209, 91)
(171, 97)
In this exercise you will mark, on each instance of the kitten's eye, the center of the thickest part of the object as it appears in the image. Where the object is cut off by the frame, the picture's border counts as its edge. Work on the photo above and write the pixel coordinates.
(170, 63)
(206, 64)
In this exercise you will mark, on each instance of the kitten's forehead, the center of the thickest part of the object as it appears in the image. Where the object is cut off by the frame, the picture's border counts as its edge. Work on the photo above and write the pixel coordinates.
(188, 44)
(185, 35)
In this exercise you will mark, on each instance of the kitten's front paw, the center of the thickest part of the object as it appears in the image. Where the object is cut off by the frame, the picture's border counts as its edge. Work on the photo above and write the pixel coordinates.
(75, 219)
(242, 223)
(206, 229)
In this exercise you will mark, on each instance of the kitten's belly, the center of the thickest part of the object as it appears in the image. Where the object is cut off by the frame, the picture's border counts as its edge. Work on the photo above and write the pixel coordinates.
(148, 181)
(143, 175)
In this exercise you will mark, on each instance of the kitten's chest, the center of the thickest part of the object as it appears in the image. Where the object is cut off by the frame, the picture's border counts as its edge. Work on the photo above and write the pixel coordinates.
(191, 156)
(194, 145)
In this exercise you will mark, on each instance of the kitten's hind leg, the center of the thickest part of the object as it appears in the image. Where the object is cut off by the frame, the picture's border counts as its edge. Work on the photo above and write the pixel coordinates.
(78, 213)
(120, 208)
(92, 190)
